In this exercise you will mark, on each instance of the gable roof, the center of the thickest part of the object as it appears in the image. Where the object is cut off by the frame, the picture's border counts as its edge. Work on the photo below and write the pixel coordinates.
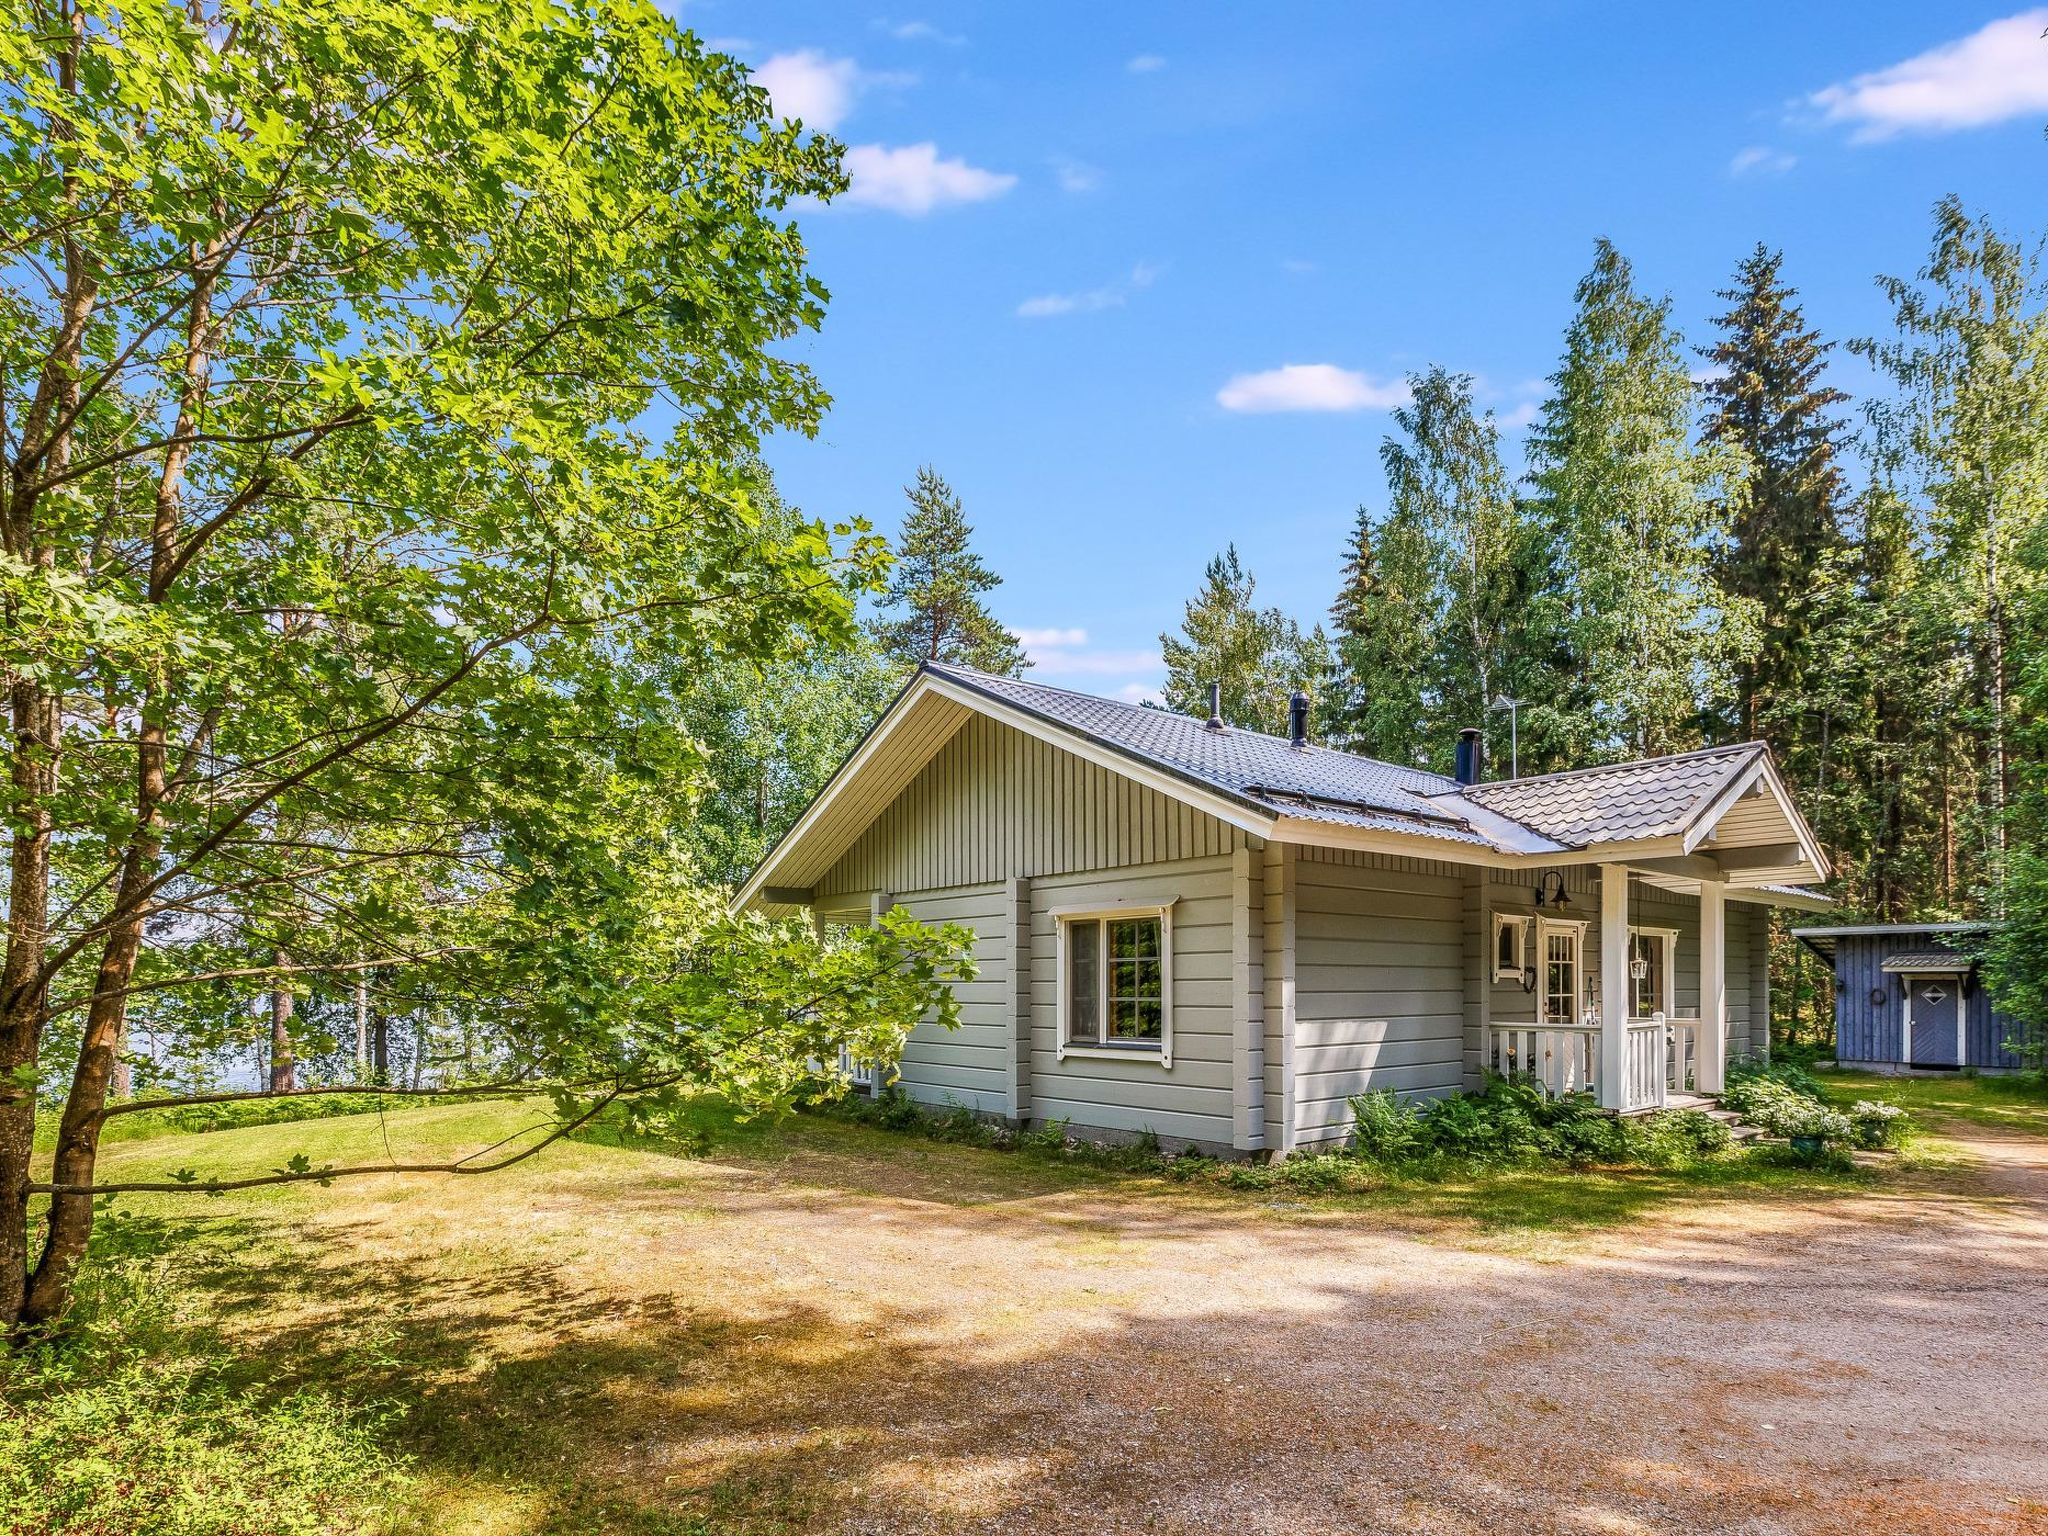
(1652, 797)
(1668, 807)
(1266, 774)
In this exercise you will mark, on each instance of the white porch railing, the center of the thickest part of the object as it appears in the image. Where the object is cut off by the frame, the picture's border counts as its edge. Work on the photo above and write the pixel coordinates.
(1644, 1064)
(1682, 1067)
(1661, 1058)
(1559, 1058)
(859, 1073)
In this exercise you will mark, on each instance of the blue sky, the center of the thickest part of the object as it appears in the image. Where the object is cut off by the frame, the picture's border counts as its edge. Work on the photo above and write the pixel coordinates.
(1142, 280)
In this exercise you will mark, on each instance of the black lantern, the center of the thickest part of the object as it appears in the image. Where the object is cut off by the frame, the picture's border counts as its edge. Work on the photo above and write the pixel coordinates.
(1550, 890)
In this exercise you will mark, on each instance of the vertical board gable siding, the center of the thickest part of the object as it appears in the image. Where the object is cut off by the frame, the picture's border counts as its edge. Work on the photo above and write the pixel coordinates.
(996, 803)
(1380, 984)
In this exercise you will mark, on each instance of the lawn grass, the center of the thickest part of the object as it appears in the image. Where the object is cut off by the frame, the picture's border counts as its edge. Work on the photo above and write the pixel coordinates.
(2007, 1103)
(533, 1342)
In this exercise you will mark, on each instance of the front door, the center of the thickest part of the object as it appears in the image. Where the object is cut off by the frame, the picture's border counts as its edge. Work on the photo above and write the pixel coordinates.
(1933, 1002)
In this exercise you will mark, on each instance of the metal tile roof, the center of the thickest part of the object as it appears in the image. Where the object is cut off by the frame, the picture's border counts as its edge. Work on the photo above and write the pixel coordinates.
(1654, 797)
(1915, 962)
(1266, 772)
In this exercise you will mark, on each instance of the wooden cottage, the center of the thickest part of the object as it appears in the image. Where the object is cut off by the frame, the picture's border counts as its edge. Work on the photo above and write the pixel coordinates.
(1907, 996)
(1220, 936)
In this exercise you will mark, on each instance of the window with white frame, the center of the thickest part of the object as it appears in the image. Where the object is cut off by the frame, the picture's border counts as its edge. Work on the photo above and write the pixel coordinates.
(1561, 943)
(1510, 945)
(1116, 982)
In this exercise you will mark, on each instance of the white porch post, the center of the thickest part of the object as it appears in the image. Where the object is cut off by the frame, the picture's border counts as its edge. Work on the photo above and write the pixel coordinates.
(1613, 986)
(1713, 1047)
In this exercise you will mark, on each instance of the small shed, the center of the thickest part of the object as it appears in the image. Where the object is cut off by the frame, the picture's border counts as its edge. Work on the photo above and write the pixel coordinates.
(1907, 995)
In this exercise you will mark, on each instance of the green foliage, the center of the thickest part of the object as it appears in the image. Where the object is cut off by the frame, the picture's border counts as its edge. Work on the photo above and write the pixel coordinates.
(938, 585)
(1635, 512)
(132, 1420)
(233, 1115)
(1787, 1074)
(1259, 656)
(1512, 1122)
(1767, 399)
(1432, 622)
(1875, 1124)
(1787, 1102)
(382, 449)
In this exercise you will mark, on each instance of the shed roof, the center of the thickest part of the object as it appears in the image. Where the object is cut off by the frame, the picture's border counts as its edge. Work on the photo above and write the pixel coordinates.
(1822, 940)
(1917, 962)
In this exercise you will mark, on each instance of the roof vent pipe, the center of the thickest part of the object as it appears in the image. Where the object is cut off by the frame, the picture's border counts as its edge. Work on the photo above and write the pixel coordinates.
(1468, 756)
(1297, 719)
(1215, 706)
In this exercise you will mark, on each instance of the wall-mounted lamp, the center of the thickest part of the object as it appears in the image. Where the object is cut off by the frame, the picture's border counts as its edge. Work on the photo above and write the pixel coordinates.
(1550, 891)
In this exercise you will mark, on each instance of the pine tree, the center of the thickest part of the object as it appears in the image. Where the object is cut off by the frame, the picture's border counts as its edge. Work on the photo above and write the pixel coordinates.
(938, 585)
(1767, 399)
(1258, 656)
(1635, 512)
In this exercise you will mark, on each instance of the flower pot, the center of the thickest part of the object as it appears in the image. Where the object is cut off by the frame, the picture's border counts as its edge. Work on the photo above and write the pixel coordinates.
(1808, 1146)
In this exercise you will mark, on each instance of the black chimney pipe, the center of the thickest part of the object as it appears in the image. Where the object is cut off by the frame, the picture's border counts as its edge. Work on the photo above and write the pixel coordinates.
(1215, 706)
(1297, 719)
(1468, 756)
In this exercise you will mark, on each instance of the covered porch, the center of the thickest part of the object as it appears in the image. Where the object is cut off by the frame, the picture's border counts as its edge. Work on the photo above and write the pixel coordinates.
(1603, 1011)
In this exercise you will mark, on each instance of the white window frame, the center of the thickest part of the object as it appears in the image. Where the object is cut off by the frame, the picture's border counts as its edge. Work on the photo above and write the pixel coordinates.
(1545, 926)
(1670, 938)
(1520, 923)
(1136, 1050)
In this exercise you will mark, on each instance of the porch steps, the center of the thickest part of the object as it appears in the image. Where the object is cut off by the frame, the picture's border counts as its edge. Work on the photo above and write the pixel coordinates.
(1710, 1106)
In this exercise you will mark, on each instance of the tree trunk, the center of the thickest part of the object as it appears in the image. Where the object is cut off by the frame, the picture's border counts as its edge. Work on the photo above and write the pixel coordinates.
(362, 998)
(380, 1047)
(284, 1067)
(22, 991)
(78, 1131)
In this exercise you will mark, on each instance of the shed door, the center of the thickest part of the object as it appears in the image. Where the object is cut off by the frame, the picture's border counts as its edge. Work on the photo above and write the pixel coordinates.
(1936, 1002)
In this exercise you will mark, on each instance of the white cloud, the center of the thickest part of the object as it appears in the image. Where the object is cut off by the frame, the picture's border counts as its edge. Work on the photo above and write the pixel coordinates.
(1076, 175)
(1295, 266)
(1522, 416)
(1145, 64)
(912, 179)
(1761, 160)
(1997, 72)
(1310, 387)
(1043, 639)
(1138, 693)
(917, 32)
(1088, 301)
(810, 88)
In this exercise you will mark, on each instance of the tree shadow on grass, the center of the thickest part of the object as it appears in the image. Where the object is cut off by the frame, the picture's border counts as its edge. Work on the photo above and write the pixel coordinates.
(1315, 1389)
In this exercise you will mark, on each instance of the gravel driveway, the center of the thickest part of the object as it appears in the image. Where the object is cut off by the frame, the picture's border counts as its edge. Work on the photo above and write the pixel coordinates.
(1081, 1363)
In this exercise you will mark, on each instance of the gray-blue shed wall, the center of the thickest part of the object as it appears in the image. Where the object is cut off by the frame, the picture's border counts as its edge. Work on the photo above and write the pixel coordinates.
(1869, 1032)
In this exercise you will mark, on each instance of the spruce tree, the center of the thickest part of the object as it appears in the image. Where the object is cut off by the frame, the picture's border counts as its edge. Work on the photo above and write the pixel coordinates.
(1767, 398)
(1258, 656)
(937, 586)
(1382, 642)
(1635, 511)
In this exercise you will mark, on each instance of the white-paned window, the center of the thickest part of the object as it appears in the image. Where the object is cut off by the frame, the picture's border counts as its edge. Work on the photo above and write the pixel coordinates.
(1559, 979)
(1510, 945)
(1116, 982)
